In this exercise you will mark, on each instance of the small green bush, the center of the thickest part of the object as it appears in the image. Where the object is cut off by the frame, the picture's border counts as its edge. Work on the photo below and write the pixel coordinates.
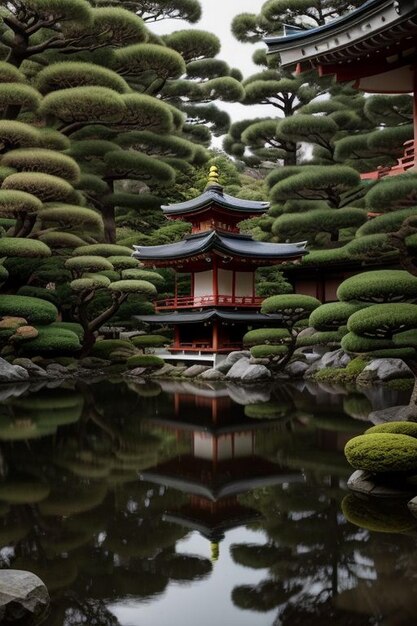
(145, 360)
(331, 315)
(382, 452)
(398, 428)
(34, 310)
(290, 306)
(268, 351)
(378, 287)
(150, 341)
(354, 343)
(52, 340)
(266, 336)
(39, 292)
(72, 326)
(104, 347)
(383, 320)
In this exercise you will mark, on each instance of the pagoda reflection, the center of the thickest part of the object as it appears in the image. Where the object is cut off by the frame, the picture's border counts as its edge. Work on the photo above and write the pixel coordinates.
(221, 464)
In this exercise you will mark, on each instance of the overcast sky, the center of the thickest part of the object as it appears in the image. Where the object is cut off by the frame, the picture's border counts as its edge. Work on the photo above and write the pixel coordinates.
(217, 18)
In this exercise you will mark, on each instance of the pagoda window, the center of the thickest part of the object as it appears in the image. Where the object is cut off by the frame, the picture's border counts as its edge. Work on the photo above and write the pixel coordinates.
(244, 284)
(203, 283)
(225, 278)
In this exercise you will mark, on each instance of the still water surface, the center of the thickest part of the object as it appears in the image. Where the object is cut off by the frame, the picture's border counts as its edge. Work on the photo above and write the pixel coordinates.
(155, 504)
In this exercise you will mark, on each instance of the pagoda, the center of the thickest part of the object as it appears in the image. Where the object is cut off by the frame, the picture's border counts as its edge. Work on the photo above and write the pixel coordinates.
(375, 46)
(221, 263)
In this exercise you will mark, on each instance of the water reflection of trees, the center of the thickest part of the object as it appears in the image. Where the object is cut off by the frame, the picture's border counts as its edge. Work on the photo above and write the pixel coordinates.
(73, 511)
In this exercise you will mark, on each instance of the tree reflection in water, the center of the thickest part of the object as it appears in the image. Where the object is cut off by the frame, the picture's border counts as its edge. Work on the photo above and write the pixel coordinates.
(84, 501)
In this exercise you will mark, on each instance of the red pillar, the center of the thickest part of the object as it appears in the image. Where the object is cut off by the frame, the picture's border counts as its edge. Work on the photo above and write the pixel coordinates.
(215, 341)
(215, 280)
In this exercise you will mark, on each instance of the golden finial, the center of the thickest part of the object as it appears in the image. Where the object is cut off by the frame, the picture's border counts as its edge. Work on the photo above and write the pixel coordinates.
(213, 177)
(214, 551)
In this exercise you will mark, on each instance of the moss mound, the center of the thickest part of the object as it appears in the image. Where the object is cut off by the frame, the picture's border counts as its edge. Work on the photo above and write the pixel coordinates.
(382, 452)
(396, 428)
(104, 348)
(145, 360)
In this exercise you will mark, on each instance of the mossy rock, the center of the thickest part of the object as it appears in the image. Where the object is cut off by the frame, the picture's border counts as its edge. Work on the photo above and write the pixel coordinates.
(396, 428)
(268, 351)
(382, 452)
(377, 516)
(145, 360)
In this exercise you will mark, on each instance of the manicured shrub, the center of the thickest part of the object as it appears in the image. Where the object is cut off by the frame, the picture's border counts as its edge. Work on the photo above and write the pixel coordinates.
(72, 326)
(137, 274)
(150, 341)
(39, 292)
(377, 516)
(383, 320)
(104, 347)
(34, 310)
(141, 287)
(121, 263)
(382, 452)
(268, 351)
(331, 315)
(355, 343)
(379, 286)
(46, 187)
(103, 249)
(43, 160)
(397, 428)
(266, 336)
(81, 264)
(145, 360)
(325, 338)
(290, 306)
(51, 340)
(22, 247)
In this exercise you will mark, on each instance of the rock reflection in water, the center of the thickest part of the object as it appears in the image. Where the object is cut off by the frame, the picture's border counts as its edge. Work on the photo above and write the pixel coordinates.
(100, 484)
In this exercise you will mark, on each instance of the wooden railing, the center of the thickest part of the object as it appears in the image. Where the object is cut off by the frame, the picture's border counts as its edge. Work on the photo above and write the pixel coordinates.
(204, 346)
(187, 302)
(403, 164)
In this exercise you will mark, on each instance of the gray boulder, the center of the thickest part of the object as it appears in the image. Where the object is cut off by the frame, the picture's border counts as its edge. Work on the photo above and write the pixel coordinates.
(239, 368)
(233, 357)
(195, 370)
(56, 370)
(212, 374)
(12, 373)
(297, 369)
(386, 369)
(137, 371)
(35, 371)
(23, 597)
(255, 373)
(166, 370)
(366, 483)
(335, 358)
(249, 395)
(407, 412)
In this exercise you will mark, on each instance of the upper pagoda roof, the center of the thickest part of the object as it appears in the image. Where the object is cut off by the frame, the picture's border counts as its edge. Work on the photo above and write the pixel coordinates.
(196, 317)
(230, 245)
(214, 194)
(376, 39)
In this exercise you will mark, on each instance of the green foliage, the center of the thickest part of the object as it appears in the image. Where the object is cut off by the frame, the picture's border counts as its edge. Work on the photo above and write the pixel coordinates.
(268, 351)
(266, 336)
(357, 344)
(33, 310)
(383, 320)
(75, 74)
(14, 134)
(72, 326)
(382, 452)
(332, 315)
(379, 286)
(150, 341)
(378, 516)
(46, 187)
(103, 348)
(396, 428)
(10, 246)
(52, 339)
(145, 360)
(39, 292)
(151, 277)
(292, 308)
(316, 183)
(387, 223)
(83, 104)
(104, 250)
(43, 160)
(193, 44)
(392, 193)
(81, 264)
(141, 287)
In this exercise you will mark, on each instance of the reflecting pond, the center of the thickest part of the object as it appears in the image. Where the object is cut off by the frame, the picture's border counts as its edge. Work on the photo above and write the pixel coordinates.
(161, 503)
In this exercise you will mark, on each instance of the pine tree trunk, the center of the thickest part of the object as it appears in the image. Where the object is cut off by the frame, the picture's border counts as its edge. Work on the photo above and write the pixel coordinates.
(109, 218)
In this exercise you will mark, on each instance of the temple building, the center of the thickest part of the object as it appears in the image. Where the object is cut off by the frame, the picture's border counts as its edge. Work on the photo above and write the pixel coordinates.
(221, 263)
(375, 46)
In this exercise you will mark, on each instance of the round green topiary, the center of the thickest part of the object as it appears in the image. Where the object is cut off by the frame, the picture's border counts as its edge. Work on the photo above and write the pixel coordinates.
(104, 347)
(268, 351)
(382, 452)
(331, 315)
(378, 287)
(34, 310)
(290, 306)
(150, 341)
(52, 340)
(383, 320)
(266, 336)
(145, 360)
(397, 428)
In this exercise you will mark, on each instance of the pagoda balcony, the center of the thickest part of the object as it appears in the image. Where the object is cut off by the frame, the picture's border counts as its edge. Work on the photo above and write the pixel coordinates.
(205, 346)
(405, 163)
(187, 302)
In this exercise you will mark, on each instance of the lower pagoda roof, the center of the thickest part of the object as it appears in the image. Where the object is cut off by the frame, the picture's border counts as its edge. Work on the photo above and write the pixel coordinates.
(243, 247)
(195, 317)
(377, 38)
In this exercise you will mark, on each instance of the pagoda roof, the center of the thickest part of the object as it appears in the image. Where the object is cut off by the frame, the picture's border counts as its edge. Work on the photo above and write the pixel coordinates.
(195, 317)
(213, 524)
(230, 245)
(207, 426)
(376, 38)
(215, 194)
